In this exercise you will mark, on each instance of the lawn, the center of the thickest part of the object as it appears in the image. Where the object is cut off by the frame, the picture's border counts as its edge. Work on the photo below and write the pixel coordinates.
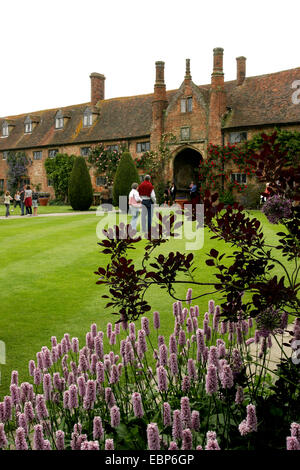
(48, 284)
(41, 210)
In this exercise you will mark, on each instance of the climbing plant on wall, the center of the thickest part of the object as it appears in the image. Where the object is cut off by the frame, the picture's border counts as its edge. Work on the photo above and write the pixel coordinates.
(215, 171)
(18, 163)
(105, 160)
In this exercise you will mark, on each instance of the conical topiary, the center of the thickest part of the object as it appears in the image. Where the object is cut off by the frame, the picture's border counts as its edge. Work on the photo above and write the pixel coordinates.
(126, 174)
(80, 186)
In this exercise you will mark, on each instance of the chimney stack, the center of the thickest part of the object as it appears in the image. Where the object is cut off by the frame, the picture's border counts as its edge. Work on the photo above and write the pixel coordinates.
(160, 73)
(240, 70)
(188, 69)
(217, 103)
(159, 103)
(97, 87)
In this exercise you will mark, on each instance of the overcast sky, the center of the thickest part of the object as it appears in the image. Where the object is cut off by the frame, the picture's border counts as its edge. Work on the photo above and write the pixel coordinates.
(49, 48)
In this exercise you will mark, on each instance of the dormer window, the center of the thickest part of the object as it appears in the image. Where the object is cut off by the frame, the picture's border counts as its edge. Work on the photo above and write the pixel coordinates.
(28, 125)
(87, 118)
(59, 120)
(5, 132)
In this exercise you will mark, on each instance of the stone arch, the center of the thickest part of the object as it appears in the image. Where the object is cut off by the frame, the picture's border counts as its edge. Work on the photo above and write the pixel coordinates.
(185, 169)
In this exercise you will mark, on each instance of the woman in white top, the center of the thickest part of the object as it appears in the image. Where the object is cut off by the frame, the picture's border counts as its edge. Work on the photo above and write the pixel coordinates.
(134, 205)
(7, 199)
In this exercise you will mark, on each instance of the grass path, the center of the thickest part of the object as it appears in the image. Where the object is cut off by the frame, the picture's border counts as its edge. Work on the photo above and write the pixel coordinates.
(48, 286)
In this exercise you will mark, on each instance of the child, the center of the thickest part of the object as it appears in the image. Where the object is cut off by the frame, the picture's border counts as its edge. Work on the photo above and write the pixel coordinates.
(7, 199)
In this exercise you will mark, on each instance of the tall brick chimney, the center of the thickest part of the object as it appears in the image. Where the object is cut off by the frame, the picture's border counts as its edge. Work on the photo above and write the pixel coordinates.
(159, 103)
(188, 70)
(240, 69)
(217, 104)
(97, 87)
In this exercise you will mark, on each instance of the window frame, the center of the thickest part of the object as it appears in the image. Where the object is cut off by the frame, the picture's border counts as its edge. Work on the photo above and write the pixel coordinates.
(27, 122)
(2, 184)
(88, 117)
(83, 153)
(185, 139)
(52, 150)
(35, 152)
(236, 176)
(59, 120)
(112, 148)
(6, 127)
(186, 104)
(5, 155)
(104, 178)
(242, 134)
(140, 145)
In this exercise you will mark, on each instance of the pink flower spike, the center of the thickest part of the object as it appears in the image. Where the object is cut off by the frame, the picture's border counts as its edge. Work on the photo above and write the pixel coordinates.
(98, 432)
(20, 441)
(153, 437)
(114, 416)
(145, 325)
(137, 405)
(211, 380)
(156, 320)
(3, 439)
(109, 444)
(292, 443)
(60, 440)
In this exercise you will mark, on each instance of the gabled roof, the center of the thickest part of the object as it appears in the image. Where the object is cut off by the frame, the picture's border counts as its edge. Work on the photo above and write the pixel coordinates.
(264, 99)
(260, 100)
(119, 118)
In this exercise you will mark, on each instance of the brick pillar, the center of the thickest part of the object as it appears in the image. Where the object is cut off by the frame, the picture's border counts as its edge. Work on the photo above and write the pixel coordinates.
(159, 103)
(97, 87)
(217, 104)
(240, 70)
(187, 70)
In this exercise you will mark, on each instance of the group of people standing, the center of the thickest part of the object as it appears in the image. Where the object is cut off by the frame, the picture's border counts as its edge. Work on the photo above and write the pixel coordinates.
(142, 197)
(26, 199)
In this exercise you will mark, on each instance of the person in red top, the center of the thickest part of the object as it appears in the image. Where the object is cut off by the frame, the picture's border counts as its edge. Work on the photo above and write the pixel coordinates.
(147, 194)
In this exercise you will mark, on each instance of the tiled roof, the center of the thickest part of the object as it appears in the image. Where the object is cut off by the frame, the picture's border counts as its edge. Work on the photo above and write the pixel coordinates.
(265, 99)
(119, 118)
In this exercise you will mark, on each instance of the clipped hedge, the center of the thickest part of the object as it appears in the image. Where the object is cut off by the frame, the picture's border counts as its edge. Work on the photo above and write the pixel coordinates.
(80, 186)
(126, 174)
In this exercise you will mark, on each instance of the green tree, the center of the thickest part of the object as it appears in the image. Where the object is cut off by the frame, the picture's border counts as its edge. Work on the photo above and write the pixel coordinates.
(59, 169)
(80, 186)
(126, 174)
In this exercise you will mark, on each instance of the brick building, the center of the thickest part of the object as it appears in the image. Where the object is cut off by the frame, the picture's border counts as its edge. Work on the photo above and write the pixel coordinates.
(218, 112)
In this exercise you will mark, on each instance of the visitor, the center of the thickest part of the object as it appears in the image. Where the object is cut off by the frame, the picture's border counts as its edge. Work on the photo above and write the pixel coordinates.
(28, 200)
(7, 199)
(134, 205)
(17, 200)
(194, 195)
(167, 195)
(173, 191)
(35, 200)
(146, 192)
(264, 196)
(22, 199)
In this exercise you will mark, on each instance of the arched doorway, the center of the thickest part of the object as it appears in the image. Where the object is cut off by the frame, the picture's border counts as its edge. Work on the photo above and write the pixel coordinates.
(185, 170)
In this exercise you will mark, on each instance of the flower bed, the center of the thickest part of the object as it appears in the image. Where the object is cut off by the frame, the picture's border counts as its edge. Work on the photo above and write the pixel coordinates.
(200, 394)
